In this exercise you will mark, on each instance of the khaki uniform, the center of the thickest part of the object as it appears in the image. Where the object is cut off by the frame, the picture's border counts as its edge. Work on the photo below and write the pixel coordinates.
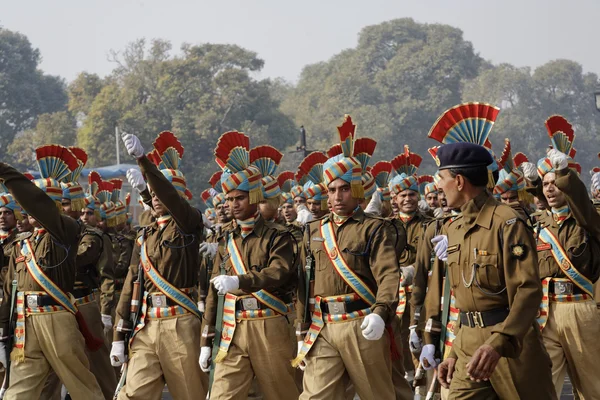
(597, 284)
(7, 248)
(573, 328)
(501, 276)
(260, 348)
(340, 351)
(52, 340)
(122, 250)
(166, 349)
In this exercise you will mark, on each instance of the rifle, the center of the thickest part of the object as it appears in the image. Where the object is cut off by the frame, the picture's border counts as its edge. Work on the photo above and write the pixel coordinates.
(309, 286)
(218, 325)
(134, 315)
(9, 342)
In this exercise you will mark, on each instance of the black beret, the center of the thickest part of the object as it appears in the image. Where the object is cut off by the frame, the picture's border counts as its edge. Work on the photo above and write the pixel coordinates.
(463, 155)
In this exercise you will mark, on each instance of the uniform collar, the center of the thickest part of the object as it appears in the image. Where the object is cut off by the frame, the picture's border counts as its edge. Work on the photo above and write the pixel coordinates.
(258, 230)
(358, 216)
(479, 211)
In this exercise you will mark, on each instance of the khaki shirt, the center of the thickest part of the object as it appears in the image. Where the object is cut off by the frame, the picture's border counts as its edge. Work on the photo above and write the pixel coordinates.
(268, 255)
(507, 274)
(7, 249)
(172, 250)
(415, 228)
(55, 251)
(368, 245)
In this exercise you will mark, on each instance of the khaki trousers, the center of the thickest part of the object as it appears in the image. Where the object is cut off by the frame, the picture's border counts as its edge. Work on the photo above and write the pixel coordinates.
(527, 377)
(341, 352)
(53, 342)
(572, 339)
(402, 388)
(166, 351)
(263, 349)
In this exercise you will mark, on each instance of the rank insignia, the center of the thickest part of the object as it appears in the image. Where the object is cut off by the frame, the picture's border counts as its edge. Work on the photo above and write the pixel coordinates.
(518, 251)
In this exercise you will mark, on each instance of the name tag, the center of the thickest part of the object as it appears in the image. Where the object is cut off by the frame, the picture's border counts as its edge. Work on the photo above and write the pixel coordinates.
(20, 259)
(544, 247)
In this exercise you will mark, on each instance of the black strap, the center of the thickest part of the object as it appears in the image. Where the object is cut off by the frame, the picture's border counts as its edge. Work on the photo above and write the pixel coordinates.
(482, 319)
(350, 306)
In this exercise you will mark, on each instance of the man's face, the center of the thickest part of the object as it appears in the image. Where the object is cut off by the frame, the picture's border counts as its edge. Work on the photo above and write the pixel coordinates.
(24, 225)
(314, 206)
(539, 204)
(33, 222)
(596, 194)
(239, 204)
(88, 217)
(298, 200)
(394, 205)
(554, 196)
(158, 206)
(288, 212)
(432, 200)
(509, 197)
(222, 216)
(340, 197)
(267, 211)
(407, 201)
(7, 219)
(449, 185)
(442, 199)
(68, 210)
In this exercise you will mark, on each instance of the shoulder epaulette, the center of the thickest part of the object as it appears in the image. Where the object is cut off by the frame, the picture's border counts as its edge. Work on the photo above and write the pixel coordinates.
(22, 236)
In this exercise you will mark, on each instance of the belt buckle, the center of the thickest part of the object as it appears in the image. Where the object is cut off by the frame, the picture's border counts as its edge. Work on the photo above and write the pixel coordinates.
(563, 288)
(337, 307)
(478, 319)
(250, 303)
(159, 300)
(32, 300)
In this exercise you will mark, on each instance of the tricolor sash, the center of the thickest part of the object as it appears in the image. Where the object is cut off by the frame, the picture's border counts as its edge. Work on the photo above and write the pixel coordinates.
(229, 324)
(542, 317)
(401, 300)
(340, 265)
(567, 267)
(452, 318)
(165, 287)
(262, 295)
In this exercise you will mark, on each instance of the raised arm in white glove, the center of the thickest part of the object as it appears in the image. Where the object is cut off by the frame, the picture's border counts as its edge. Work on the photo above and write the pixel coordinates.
(557, 159)
(374, 206)
(204, 360)
(423, 206)
(438, 212)
(117, 353)
(530, 171)
(304, 216)
(133, 145)
(208, 250)
(225, 284)
(136, 180)
(440, 243)
(596, 181)
(372, 327)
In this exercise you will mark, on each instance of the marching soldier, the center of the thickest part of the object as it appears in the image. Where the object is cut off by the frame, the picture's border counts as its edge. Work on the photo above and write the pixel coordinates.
(164, 344)
(310, 171)
(10, 214)
(287, 182)
(43, 265)
(257, 275)
(492, 270)
(568, 249)
(351, 293)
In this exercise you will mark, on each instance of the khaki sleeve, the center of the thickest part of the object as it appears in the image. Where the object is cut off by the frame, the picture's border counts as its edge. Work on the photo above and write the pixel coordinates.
(524, 290)
(122, 312)
(422, 266)
(577, 197)
(301, 325)
(107, 277)
(88, 251)
(384, 266)
(210, 315)
(187, 217)
(5, 306)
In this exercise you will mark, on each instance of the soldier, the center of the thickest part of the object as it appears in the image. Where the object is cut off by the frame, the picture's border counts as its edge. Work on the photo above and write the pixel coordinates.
(10, 214)
(267, 159)
(353, 292)
(164, 347)
(405, 190)
(492, 270)
(310, 171)
(568, 249)
(259, 276)
(23, 224)
(595, 189)
(43, 265)
(428, 191)
(381, 171)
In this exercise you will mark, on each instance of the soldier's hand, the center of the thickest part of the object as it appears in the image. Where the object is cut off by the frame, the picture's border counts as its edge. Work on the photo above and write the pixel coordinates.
(136, 180)
(205, 358)
(530, 171)
(446, 371)
(117, 353)
(372, 327)
(201, 306)
(302, 365)
(133, 145)
(208, 250)
(408, 274)
(438, 212)
(107, 322)
(483, 363)
(557, 159)
(423, 206)
(225, 284)
(440, 243)
(374, 206)
(427, 357)
(414, 341)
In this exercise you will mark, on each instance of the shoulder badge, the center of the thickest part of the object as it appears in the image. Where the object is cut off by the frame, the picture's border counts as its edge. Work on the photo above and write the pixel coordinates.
(511, 221)
(518, 251)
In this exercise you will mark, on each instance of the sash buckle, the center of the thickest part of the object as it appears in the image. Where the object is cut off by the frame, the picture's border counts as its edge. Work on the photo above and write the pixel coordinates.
(563, 288)
(32, 300)
(250, 303)
(159, 300)
(336, 307)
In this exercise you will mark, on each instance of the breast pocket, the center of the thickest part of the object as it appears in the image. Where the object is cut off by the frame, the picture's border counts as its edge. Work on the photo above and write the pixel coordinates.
(453, 265)
(546, 263)
(321, 259)
(489, 274)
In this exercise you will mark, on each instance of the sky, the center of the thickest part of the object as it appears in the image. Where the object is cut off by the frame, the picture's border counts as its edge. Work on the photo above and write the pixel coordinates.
(77, 35)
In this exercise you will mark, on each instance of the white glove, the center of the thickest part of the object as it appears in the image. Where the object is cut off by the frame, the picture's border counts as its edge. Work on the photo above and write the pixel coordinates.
(133, 145)
(136, 180)
(408, 274)
(557, 159)
(596, 181)
(530, 171)
(441, 247)
(201, 306)
(428, 353)
(206, 222)
(225, 284)
(372, 327)
(208, 250)
(117, 353)
(107, 322)
(438, 212)
(302, 365)
(423, 206)
(3, 354)
(304, 216)
(374, 206)
(204, 361)
(414, 342)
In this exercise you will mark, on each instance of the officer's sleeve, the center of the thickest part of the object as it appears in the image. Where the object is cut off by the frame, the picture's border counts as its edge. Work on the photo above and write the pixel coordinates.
(187, 217)
(422, 265)
(88, 252)
(107, 277)
(384, 266)
(301, 325)
(122, 312)
(209, 319)
(523, 287)
(579, 202)
(280, 268)
(5, 306)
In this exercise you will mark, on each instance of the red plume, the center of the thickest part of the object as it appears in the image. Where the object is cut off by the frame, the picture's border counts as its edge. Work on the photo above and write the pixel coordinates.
(334, 150)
